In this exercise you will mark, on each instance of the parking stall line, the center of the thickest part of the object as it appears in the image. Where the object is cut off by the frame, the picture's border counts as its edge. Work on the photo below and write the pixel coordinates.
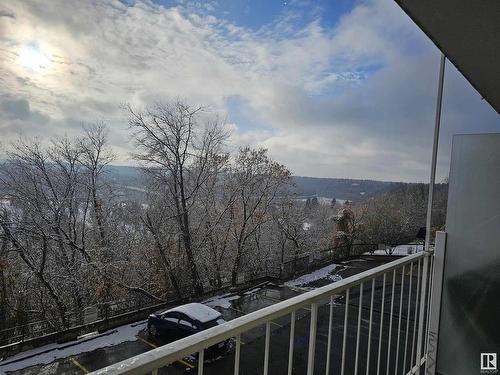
(146, 342)
(187, 364)
(270, 298)
(79, 365)
(298, 289)
(237, 310)
(241, 341)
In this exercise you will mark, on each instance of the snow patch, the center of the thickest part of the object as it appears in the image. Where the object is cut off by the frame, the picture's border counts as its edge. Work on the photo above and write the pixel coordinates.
(49, 353)
(223, 301)
(401, 250)
(322, 273)
(252, 291)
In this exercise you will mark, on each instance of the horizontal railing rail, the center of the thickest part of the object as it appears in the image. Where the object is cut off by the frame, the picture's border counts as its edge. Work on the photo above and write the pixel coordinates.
(165, 355)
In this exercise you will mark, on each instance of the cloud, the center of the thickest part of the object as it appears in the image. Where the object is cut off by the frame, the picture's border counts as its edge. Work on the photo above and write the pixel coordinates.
(7, 13)
(356, 99)
(19, 109)
(16, 108)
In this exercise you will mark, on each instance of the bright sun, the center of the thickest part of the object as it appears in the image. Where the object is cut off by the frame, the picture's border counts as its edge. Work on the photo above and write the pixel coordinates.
(33, 58)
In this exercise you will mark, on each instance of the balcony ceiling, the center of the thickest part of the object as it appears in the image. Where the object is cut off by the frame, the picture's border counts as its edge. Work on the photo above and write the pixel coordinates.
(468, 33)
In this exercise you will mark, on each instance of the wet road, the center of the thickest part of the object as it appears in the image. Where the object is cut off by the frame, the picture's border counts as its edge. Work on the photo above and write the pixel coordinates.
(252, 350)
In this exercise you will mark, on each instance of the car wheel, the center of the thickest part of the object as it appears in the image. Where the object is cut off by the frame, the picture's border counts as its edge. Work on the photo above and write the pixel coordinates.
(153, 331)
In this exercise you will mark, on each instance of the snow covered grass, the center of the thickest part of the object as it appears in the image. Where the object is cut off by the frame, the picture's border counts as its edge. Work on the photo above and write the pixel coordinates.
(49, 353)
(322, 273)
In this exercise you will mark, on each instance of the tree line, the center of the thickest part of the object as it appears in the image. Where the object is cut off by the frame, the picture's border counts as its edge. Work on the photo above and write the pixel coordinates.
(210, 218)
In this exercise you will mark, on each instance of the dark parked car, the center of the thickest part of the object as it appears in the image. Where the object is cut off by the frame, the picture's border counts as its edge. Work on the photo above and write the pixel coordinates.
(186, 320)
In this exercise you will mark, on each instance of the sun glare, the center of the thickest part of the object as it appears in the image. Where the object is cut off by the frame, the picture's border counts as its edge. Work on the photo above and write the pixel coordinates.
(33, 58)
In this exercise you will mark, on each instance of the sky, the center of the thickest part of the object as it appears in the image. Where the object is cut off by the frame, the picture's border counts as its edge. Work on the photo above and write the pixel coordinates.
(331, 88)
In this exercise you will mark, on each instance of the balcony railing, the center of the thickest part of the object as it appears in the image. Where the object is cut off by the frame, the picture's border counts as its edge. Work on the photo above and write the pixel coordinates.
(384, 331)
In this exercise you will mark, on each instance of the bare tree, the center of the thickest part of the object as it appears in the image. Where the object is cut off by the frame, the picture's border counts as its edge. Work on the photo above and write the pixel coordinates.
(94, 156)
(56, 222)
(45, 227)
(176, 151)
(164, 239)
(256, 179)
(213, 220)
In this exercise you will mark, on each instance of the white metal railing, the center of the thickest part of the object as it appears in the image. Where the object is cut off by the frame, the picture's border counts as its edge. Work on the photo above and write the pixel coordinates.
(406, 335)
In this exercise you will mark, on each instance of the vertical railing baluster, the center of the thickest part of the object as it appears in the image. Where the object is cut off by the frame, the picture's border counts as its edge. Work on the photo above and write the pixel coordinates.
(201, 360)
(237, 355)
(266, 348)
(429, 296)
(390, 323)
(381, 324)
(329, 344)
(290, 349)
(360, 309)
(312, 338)
(154, 372)
(345, 331)
(408, 318)
(399, 320)
(415, 316)
(422, 311)
(370, 328)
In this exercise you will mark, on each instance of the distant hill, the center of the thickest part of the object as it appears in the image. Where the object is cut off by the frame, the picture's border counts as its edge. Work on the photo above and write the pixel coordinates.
(125, 175)
(341, 188)
(130, 181)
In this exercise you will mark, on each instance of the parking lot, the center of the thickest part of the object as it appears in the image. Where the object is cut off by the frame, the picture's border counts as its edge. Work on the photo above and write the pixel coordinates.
(127, 341)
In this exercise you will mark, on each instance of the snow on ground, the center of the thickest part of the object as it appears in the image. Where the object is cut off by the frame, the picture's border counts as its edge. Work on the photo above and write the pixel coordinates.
(322, 273)
(252, 291)
(323, 200)
(223, 301)
(49, 353)
(401, 250)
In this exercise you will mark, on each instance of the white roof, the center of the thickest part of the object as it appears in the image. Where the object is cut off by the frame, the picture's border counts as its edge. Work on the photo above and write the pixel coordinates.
(197, 311)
